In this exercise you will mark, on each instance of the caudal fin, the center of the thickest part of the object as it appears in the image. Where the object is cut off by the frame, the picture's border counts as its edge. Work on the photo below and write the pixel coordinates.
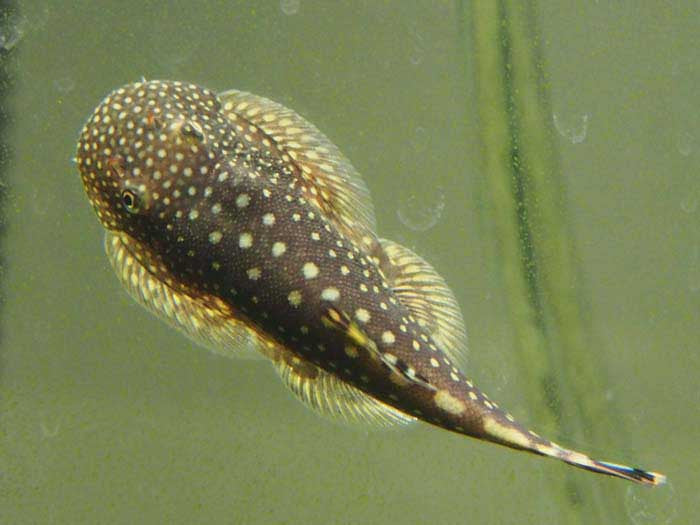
(577, 459)
(501, 429)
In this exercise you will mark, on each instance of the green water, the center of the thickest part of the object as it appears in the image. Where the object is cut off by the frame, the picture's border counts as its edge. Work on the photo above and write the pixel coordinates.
(108, 416)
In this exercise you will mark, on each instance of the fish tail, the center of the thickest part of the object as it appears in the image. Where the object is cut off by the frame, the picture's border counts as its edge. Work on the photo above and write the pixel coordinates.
(637, 475)
(507, 432)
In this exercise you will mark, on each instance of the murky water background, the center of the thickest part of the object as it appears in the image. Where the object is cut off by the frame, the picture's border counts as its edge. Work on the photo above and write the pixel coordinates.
(108, 416)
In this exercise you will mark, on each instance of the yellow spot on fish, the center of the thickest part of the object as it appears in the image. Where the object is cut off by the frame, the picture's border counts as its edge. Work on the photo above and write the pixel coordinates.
(310, 270)
(294, 298)
(447, 402)
(245, 240)
(278, 248)
(362, 315)
(330, 294)
(268, 219)
(507, 434)
(242, 200)
(388, 337)
(215, 237)
(390, 358)
(253, 274)
(351, 351)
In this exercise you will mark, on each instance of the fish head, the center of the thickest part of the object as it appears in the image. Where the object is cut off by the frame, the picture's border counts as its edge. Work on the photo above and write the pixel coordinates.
(144, 149)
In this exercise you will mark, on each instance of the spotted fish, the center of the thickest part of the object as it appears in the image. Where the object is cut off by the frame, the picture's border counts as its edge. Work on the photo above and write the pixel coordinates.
(238, 222)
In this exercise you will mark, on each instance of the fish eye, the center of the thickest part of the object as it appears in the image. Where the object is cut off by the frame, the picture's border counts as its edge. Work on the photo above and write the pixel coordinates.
(193, 130)
(130, 201)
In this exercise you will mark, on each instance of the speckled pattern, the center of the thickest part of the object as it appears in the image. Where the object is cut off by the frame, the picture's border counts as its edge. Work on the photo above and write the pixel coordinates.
(233, 218)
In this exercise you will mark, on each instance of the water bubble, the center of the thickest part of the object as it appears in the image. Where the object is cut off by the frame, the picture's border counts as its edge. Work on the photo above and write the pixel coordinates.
(64, 85)
(419, 141)
(418, 49)
(575, 132)
(421, 212)
(416, 56)
(290, 7)
(684, 143)
(689, 202)
(657, 506)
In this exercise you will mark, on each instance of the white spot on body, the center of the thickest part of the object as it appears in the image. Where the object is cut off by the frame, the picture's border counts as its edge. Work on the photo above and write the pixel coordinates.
(215, 237)
(278, 249)
(390, 358)
(330, 294)
(245, 240)
(362, 315)
(242, 200)
(294, 298)
(310, 270)
(388, 337)
(268, 219)
(253, 274)
(447, 402)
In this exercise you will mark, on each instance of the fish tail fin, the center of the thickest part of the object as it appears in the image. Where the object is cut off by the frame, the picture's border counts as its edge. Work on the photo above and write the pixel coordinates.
(637, 475)
(507, 432)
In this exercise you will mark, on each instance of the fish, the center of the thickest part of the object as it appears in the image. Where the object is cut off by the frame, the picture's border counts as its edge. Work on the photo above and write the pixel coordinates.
(238, 222)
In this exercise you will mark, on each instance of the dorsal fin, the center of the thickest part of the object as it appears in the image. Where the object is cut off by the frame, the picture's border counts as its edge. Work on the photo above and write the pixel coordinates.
(421, 289)
(336, 186)
(208, 322)
(332, 397)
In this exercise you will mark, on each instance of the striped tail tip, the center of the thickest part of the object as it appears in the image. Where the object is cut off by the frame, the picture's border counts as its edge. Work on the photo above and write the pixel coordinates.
(643, 477)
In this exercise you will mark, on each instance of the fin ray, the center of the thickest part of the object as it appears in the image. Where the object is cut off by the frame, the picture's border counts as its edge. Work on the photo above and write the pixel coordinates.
(203, 322)
(336, 186)
(426, 294)
(333, 398)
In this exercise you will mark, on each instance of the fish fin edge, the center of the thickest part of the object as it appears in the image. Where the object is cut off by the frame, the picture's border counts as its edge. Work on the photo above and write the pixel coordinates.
(337, 187)
(426, 295)
(205, 322)
(333, 398)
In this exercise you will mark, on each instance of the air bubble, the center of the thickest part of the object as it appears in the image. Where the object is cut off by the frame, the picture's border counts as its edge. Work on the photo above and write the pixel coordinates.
(421, 212)
(64, 85)
(418, 49)
(657, 506)
(290, 7)
(575, 131)
(684, 143)
(689, 202)
(420, 139)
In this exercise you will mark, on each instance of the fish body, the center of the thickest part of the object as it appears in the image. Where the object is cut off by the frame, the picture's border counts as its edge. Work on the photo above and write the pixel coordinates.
(237, 221)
